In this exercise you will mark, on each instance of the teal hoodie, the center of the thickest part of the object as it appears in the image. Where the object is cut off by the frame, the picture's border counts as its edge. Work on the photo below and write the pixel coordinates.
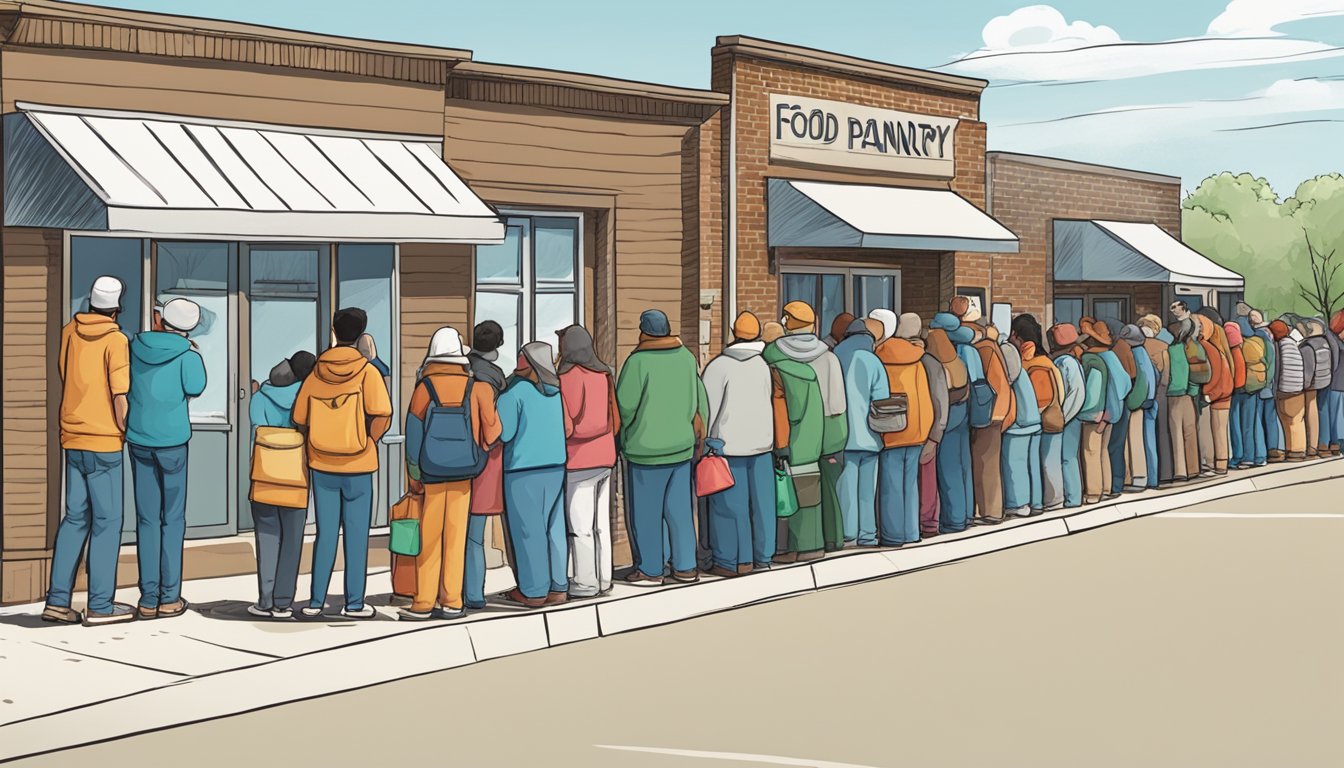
(532, 425)
(660, 396)
(165, 373)
(272, 406)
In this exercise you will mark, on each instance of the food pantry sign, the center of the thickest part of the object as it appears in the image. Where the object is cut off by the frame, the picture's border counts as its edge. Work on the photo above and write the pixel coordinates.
(823, 132)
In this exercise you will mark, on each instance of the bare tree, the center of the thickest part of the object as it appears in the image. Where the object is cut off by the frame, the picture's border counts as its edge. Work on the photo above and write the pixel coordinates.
(1322, 295)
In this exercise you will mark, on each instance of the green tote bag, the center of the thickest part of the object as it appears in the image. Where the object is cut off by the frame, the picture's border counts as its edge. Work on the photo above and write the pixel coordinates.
(786, 497)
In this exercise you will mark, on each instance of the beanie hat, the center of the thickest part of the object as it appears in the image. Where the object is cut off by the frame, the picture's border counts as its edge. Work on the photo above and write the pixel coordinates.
(652, 322)
(771, 331)
(1063, 335)
(798, 315)
(1337, 323)
(1132, 335)
(1243, 309)
(888, 320)
(182, 314)
(840, 325)
(747, 327)
(1278, 329)
(959, 306)
(908, 325)
(105, 293)
(1233, 331)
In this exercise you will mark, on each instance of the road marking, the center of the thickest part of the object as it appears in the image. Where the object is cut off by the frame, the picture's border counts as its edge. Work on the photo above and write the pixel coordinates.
(1254, 515)
(741, 757)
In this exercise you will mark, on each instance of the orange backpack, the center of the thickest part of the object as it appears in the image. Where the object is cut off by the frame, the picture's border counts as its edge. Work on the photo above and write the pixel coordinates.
(911, 380)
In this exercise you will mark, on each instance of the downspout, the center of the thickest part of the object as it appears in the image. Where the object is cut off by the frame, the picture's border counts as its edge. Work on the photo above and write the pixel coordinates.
(731, 305)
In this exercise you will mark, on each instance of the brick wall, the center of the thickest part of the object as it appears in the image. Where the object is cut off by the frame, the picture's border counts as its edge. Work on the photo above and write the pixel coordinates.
(1027, 197)
(927, 277)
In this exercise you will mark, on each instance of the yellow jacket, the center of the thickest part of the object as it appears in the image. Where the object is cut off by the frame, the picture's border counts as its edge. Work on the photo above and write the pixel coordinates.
(95, 367)
(344, 371)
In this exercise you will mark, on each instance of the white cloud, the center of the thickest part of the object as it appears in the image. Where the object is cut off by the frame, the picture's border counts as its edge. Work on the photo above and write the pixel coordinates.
(1260, 18)
(1041, 27)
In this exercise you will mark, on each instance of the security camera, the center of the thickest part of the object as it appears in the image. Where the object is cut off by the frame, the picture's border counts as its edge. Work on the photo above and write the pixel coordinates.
(707, 299)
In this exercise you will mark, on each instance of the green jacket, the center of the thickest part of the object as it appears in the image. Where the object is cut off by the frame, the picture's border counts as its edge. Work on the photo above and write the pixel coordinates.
(1095, 376)
(662, 404)
(1180, 372)
(802, 400)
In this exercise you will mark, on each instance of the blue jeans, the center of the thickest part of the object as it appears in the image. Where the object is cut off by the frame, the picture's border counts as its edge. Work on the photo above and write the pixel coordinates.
(955, 491)
(1116, 449)
(1150, 417)
(1331, 407)
(1269, 420)
(159, 476)
(473, 580)
(858, 497)
(898, 495)
(93, 501)
(1235, 450)
(341, 502)
(1020, 464)
(1251, 417)
(534, 509)
(659, 497)
(1052, 470)
(1071, 463)
(742, 516)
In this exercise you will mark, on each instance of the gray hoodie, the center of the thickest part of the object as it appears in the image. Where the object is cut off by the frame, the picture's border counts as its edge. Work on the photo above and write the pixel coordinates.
(807, 348)
(739, 390)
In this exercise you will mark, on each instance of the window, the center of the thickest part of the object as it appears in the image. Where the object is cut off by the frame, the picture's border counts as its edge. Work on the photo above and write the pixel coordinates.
(1068, 309)
(1112, 308)
(1227, 304)
(283, 300)
(201, 272)
(529, 283)
(93, 257)
(830, 291)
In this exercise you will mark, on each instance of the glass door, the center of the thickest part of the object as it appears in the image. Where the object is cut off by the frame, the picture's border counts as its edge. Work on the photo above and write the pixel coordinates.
(832, 290)
(1112, 308)
(206, 273)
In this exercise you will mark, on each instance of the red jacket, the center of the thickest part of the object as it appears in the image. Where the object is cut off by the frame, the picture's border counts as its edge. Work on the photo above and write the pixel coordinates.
(589, 398)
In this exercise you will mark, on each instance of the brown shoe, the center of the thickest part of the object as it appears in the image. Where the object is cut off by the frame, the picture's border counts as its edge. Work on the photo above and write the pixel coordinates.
(173, 610)
(516, 595)
(744, 569)
(639, 578)
(785, 558)
(722, 572)
(816, 554)
(59, 614)
(556, 598)
(686, 577)
(120, 612)
(145, 614)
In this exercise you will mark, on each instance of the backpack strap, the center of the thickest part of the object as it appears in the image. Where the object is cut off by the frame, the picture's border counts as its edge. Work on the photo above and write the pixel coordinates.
(434, 395)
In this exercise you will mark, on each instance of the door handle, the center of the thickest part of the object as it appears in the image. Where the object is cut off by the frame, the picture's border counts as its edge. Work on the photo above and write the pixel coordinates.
(242, 393)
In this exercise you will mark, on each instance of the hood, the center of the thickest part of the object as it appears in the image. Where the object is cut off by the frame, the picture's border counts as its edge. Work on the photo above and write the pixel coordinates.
(853, 343)
(92, 326)
(576, 348)
(803, 347)
(1165, 336)
(1233, 331)
(443, 369)
(888, 320)
(940, 346)
(1028, 350)
(339, 365)
(158, 347)
(899, 352)
(962, 334)
(744, 350)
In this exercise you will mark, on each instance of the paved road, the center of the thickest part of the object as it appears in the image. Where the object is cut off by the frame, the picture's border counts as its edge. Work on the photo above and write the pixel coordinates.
(1212, 636)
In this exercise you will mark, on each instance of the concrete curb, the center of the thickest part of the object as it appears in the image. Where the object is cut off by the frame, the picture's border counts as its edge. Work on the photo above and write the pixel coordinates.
(439, 647)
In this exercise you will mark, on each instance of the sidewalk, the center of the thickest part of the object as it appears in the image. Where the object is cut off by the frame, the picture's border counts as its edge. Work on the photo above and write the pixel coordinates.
(62, 686)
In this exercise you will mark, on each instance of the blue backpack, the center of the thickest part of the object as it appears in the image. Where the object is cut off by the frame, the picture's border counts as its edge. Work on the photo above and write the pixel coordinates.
(982, 404)
(450, 451)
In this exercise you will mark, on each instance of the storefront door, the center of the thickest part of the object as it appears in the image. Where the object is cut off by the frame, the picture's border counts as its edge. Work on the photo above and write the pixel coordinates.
(832, 290)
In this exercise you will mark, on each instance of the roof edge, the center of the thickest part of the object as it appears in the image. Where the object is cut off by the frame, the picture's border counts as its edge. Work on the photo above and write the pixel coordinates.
(852, 65)
(1063, 164)
(490, 70)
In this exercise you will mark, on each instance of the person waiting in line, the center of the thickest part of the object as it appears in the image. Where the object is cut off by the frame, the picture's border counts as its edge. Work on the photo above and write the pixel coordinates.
(1289, 388)
(487, 490)
(1048, 386)
(956, 495)
(166, 372)
(451, 424)
(1100, 408)
(987, 439)
(1217, 393)
(865, 383)
(1117, 448)
(1247, 410)
(800, 392)
(663, 412)
(898, 465)
(1318, 350)
(1334, 409)
(910, 328)
(1157, 437)
(344, 410)
(1064, 349)
(738, 390)
(95, 369)
(1182, 394)
(1237, 447)
(1120, 373)
(1142, 406)
(279, 504)
(1253, 323)
(369, 349)
(839, 329)
(1021, 453)
(588, 389)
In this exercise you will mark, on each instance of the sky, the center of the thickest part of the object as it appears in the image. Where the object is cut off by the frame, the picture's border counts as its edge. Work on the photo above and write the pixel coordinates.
(1182, 87)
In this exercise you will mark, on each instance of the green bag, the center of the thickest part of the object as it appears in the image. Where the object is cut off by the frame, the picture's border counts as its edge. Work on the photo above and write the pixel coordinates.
(786, 497)
(404, 537)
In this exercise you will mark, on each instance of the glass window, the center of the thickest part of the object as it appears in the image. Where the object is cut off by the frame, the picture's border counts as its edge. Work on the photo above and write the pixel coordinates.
(200, 272)
(1068, 309)
(832, 302)
(529, 283)
(364, 280)
(1113, 309)
(1227, 304)
(875, 292)
(93, 257)
(283, 297)
(798, 287)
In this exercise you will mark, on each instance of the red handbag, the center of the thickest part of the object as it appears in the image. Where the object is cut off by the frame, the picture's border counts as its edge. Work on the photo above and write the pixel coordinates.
(712, 475)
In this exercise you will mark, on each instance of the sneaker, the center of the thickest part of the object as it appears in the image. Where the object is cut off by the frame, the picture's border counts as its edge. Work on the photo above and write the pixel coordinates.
(1135, 488)
(1019, 512)
(259, 612)
(448, 614)
(686, 577)
(282, 613)
(400, 601)
(475, 606)
(406, 614)
(310, 612)
(120, 612)
(60, 614)
(145, 614)
(366, 612)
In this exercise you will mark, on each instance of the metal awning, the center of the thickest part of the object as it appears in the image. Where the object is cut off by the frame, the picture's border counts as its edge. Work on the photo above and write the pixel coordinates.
(822, 215)
(169, 175)
(1129, 252)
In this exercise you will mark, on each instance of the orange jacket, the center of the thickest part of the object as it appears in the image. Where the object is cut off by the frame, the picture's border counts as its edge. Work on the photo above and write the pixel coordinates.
(996, 373)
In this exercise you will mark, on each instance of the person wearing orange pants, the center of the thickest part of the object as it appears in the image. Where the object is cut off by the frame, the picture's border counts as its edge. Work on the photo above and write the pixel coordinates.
(447, 400)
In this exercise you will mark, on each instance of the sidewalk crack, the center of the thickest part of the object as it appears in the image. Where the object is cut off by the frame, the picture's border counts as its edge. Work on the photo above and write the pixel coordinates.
(232, 648)
(111, 661)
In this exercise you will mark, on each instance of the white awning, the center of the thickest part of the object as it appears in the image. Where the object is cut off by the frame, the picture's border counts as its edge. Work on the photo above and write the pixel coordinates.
(822, 215)
(1129, 252)
(169, 175)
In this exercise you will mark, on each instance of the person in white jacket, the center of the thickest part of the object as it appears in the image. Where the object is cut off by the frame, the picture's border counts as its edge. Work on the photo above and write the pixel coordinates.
(738, 388)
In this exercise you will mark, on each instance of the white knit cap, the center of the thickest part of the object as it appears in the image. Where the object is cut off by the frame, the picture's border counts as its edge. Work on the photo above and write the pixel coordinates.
(908, 326)
(182, 314)
(106, 293)
(888, 320)
(446, 347)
